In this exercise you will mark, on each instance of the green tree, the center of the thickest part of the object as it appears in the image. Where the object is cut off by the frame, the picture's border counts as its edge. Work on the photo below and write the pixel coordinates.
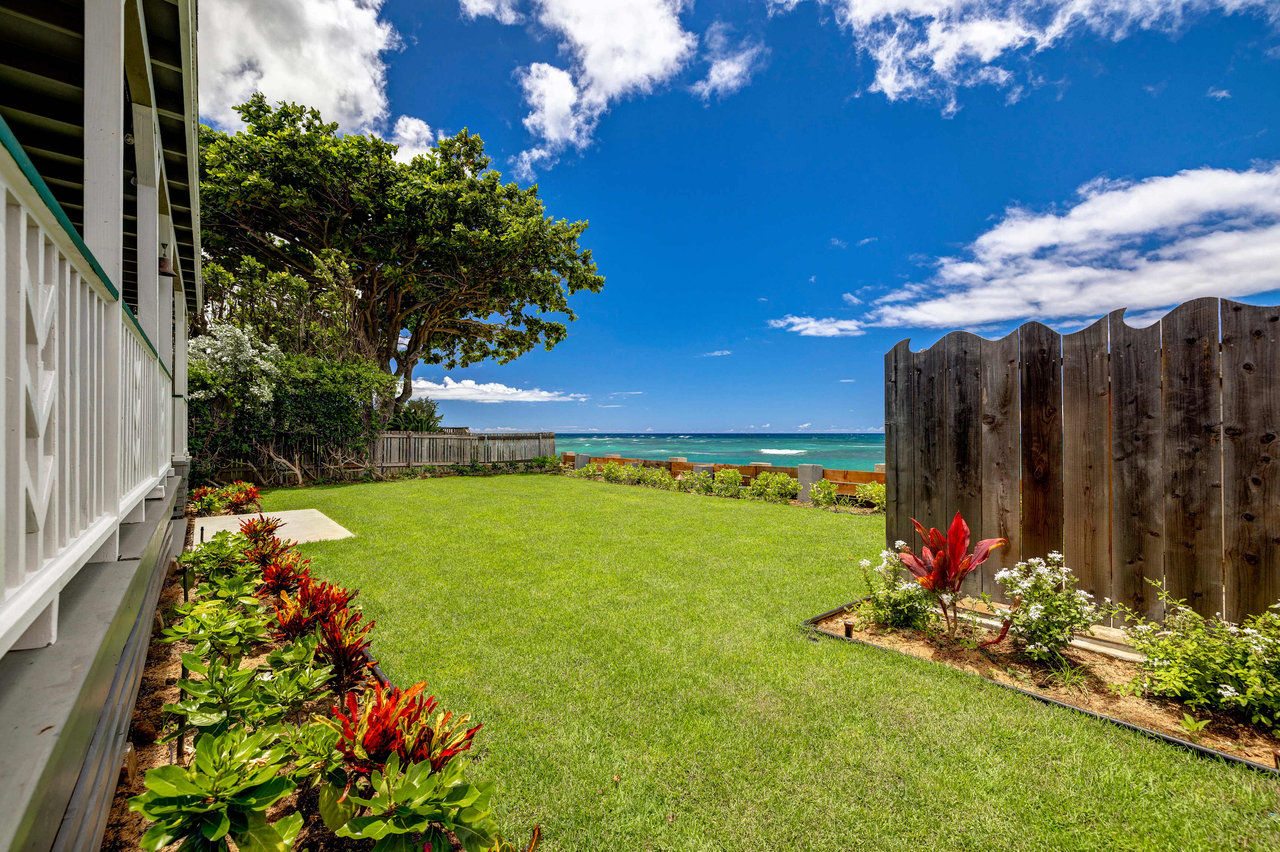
(433, 261)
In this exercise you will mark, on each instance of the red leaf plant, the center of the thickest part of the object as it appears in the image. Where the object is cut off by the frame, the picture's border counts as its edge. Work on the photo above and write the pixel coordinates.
(944, 563)
(269, 549)
(261, 529)
(284, 575)
(344, 641)
(316, 601)
(242, 497)
(398, 722)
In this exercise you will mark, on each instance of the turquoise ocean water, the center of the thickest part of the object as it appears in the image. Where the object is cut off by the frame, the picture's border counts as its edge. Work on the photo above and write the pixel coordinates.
(838, 452)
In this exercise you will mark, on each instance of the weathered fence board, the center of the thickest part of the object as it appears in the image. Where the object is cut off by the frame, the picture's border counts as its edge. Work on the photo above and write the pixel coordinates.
(1137, 484)
(962, 393)
(1250, 472)
(1144, 454)
(1192, 417)
(898, 410)
(1086, 457)
(1041, 349)
(929, 428)
(1000, 488)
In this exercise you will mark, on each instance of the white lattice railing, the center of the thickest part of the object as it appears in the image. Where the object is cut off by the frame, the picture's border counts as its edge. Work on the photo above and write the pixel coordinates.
(85, 420)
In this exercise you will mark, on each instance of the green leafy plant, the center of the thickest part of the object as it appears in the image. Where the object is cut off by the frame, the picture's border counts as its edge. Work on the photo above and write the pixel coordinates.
(417, 808)
(872, 495)
(613, 472)
(727, 482)
(1193, 726)
(699, 482)
(944, 562)
(215, 628)
(224, 794)
(823, 493)
(1211, 663)
(221, 555)
(1048, 610)
(892, 600)
(772, 487)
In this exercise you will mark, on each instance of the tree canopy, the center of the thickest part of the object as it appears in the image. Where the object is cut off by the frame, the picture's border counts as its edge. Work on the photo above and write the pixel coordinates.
(432, 261)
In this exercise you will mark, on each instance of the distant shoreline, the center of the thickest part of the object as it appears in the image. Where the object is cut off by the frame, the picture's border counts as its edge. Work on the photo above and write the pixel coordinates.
(834, 450)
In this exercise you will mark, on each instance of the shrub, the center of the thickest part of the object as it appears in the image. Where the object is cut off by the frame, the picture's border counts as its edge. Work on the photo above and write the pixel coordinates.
(772, 487)
(612, 472)
(944, 562)
(284, 575)
(701, 482)
(892, 600)
(315, 602)
(261, 529)
(823, 493)
(656, 477)
(391, 723)
(1212, 663)
(872, 495)
(224, 793)
(727, 482)
(1047, 610)
(344, 645)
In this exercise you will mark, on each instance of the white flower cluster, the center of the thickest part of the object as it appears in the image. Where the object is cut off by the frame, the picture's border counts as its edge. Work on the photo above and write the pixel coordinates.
(1227, 691)
(236, 357)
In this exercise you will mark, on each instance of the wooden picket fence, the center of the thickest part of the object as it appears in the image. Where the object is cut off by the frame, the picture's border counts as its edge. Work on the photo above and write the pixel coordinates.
(424, 449)
(1139, 453)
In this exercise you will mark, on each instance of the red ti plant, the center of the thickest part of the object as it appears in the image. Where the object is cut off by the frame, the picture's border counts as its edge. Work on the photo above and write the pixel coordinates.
(284, 575)
(344, 641)
(316, 601)
(944, 562)
(398, 722)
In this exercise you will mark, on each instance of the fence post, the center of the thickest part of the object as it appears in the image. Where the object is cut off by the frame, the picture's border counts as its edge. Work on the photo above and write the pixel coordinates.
(581, 460)
(807, 474)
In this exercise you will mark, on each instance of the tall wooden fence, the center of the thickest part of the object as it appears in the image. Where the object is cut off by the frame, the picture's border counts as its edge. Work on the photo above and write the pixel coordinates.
(424, 449)
(1139, 453)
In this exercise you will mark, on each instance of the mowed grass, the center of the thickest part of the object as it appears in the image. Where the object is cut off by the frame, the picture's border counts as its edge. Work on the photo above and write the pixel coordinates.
(635, 658)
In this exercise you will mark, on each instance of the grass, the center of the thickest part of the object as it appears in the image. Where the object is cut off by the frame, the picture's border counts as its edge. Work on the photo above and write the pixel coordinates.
(635, 658)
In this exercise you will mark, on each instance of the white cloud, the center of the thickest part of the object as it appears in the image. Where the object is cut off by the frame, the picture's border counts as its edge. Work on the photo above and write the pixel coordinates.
(815, 327)
(613, 405)
(322, 53)
(616, 48)
(932, 48)
(804, 425)
(731, 66)
(468, 390)
(414, 137)
(626, 393)
(505, 11)
(846, 381)
(850, 299)
(836, 242)
(1138, 244)
(1217, 94)
(716, 354)
(866, 241)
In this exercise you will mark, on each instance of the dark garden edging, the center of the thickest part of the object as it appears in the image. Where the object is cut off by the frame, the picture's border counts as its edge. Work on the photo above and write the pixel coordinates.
(811, 624)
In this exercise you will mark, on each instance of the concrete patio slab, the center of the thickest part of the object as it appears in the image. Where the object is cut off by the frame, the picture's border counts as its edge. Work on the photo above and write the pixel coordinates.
(300, 525)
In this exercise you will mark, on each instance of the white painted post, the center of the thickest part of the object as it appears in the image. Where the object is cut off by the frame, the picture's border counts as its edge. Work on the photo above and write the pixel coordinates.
(104, 214)
(150, 293)
(180, 377)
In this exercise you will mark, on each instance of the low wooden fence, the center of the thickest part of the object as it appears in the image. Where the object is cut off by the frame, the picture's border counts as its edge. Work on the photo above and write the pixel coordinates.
(425, 449)
(1139, 453)
(394, 452)
(846, 481)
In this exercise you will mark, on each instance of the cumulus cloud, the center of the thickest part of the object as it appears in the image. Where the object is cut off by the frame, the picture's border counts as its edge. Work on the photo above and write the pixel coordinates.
(616, 48)
(1139, 244)
(323, 53)
(731, 65)
(819, 327)
(932, 48)
(716, 354)
(804, 425)
(469, 390)
(414, 137)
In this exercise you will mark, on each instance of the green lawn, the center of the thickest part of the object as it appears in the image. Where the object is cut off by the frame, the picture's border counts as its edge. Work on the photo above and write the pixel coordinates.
(603, 631)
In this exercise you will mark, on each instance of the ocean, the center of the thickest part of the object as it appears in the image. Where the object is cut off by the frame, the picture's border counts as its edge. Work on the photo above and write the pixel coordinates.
(837, 452)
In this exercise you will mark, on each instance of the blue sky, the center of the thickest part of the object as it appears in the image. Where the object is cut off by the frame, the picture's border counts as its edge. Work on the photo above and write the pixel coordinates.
(797, 185)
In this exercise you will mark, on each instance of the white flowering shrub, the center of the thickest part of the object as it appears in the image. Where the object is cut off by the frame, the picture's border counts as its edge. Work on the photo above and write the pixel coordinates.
(235, 363)
(1048, 609)
(1211, 663)
(823, 493)
(893, 599)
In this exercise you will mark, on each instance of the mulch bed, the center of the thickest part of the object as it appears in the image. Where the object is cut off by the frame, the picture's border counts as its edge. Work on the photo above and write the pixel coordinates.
(1004, 664)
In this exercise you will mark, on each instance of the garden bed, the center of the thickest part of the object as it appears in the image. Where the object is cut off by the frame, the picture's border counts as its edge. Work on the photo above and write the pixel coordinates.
(1090, 692)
